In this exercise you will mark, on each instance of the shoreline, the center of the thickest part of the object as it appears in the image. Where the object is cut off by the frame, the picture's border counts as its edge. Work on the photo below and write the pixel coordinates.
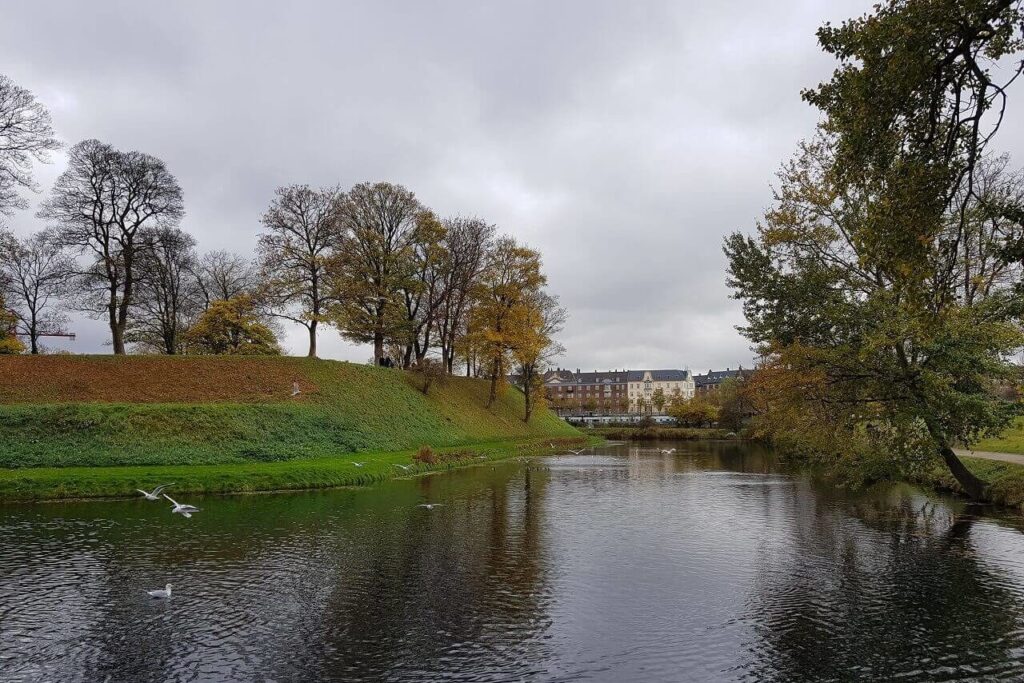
(59, 485)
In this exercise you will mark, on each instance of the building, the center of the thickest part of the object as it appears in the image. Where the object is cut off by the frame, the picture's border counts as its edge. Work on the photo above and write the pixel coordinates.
(709, 383)
(576, 393)
(653, 391)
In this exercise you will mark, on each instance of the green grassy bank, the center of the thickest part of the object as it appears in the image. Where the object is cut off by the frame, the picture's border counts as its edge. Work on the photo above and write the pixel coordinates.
(81, 426)
(1010, 441)
(57, 483)
(1006, 480)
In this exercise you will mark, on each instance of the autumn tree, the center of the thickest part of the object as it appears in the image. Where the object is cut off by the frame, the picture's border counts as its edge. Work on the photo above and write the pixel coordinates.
(425, 292)
(376, 262)
(34, 274)
(97, 207)
(302, 235)
(231, 327)
(167, 297)
(503, 297)
(861, 280)
(9, 342)
(695, 412)
(466, 244)
(658, 399)
(26, 136)
(540, 319)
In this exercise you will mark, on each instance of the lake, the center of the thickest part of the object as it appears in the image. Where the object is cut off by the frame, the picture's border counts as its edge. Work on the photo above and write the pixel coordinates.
(622, 564)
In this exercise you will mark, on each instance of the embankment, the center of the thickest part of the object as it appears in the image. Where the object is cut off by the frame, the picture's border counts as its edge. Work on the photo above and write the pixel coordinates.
(80, 426)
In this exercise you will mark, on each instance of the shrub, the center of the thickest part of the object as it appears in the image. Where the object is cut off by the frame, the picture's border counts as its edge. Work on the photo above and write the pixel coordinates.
(425, 455)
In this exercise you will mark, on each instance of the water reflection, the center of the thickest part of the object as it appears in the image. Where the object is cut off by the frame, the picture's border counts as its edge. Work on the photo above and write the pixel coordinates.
(623, 564)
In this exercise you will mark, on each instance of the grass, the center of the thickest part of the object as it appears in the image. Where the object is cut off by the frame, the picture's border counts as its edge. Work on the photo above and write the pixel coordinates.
(56, 483)
(1010, 441)
(660, 433)
(1006, 480)
(116, 412)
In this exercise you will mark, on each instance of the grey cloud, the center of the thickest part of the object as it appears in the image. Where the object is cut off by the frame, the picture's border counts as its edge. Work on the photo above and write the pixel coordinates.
(623, 140)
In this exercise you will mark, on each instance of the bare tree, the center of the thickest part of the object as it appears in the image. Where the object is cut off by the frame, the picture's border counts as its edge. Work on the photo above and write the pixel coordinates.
(98, 206)
(381, 224)
(222, 275)
(34, 272)
(167, 298)
(26, 136)
(302, 225)
(466, 243)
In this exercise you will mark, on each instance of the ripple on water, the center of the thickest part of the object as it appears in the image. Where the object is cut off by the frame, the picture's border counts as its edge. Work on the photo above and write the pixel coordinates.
(620, 564)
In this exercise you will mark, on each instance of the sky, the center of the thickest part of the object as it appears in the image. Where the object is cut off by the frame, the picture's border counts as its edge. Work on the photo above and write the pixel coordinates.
(623, 140)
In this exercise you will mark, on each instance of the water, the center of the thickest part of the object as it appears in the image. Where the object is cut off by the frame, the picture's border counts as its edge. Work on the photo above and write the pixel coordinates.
(706, 565)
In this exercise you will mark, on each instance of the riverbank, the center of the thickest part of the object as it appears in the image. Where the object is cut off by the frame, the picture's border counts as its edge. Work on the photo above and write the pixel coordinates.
(102, 411)
(1006, 479)
(66, 483)
(660, 433)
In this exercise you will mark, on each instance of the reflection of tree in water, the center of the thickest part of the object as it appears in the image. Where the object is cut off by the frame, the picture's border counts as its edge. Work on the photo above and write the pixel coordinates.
(880, 591)
(449, 590)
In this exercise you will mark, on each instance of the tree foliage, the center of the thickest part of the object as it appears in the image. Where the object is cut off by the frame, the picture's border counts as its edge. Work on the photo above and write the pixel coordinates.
(876, 281)
(231, 327)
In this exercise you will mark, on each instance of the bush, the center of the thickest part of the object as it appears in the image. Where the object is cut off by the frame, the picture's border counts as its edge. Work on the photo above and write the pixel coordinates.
(426, 456)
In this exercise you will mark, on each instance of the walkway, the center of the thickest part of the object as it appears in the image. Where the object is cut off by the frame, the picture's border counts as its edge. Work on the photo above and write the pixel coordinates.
(990, 455)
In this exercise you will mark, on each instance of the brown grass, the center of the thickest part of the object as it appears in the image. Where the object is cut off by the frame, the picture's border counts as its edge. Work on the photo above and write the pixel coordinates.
(147, 379)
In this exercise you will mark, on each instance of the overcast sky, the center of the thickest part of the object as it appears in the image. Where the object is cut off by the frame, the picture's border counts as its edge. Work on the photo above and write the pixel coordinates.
(621, 139)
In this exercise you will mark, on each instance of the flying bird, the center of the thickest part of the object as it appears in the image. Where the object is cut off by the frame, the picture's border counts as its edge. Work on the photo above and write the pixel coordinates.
(155, 495)
(668, 451)
(295, 389)
(430, 506)
(358, 464)
(577, 452)
(165, 593)
(182, 509)
(404, 467)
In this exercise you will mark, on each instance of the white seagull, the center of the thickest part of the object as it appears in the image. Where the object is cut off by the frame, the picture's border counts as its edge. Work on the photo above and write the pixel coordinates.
(668, 451)
(155, 495)
(430, 506)
(295, 389)
(181, 509)
(165, 593)
(404, 467)
(577, 452)
(358, 464)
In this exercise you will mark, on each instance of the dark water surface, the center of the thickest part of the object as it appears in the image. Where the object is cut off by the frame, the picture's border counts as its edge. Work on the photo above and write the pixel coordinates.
(623, 565)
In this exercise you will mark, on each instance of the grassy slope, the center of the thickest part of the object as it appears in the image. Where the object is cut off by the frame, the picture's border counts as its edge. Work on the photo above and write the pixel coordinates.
(1010, 441)
(1006, 480)
(344, 408)
(100, 426)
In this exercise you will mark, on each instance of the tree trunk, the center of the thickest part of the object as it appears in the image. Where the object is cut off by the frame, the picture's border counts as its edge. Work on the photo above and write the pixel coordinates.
(312, 339)
(378, 347)
(117, 334)
(975, 488)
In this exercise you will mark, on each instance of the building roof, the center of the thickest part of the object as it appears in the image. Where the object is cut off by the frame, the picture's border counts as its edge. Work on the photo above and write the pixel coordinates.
(715, 377)
(660, 375)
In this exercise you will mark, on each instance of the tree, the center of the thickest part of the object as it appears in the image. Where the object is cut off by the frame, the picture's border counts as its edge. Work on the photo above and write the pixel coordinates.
(535, 347)
(696, 412)
(658, 399)
(466, 244)
(167, 297)
(380, 223)
(303, 233)
(231, 327)
(860, 282)
(34, 273)
(98, 206)
(9, 342)
(222, 275)
(425, 292)
(503, 296)
(26, 136)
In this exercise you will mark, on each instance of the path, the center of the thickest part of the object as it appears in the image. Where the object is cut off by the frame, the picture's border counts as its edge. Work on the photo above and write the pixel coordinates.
(991, 455)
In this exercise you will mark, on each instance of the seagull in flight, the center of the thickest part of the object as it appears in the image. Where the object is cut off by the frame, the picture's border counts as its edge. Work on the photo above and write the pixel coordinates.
(430, 506)
(668, 451)
(404, 467)
(165, 593)
(577, 452)
(358, 464)
(295, 389)
(155, 495)
(182, 509)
